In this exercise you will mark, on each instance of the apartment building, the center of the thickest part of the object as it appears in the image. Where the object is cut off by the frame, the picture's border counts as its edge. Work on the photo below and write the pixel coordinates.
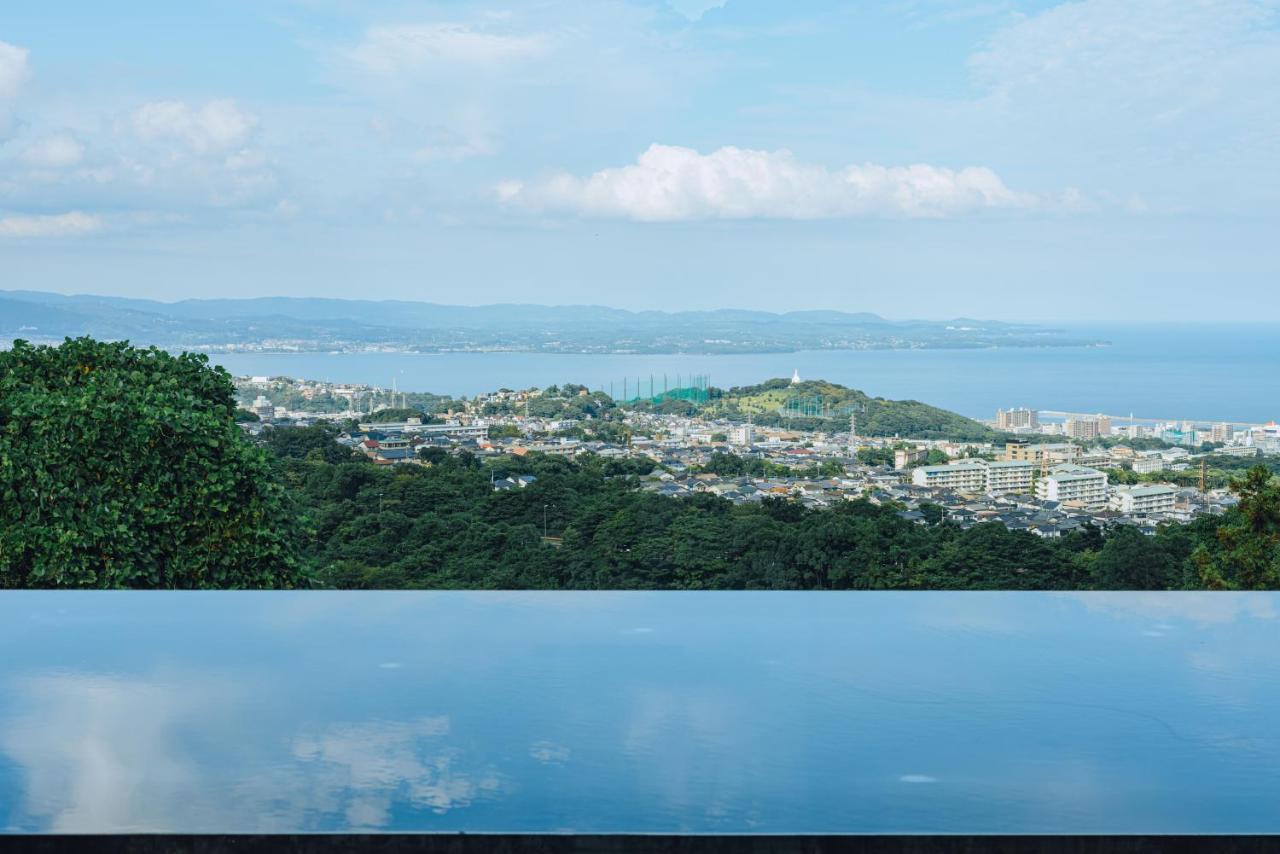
(1004, 476)
(1088, 426)
(968, 477)
(905, 458)
(1095, 458)
(978, 477)
(1073, 483)
(1017, 419)
(743, 435)
(1148, 464)
(1048, 454)
(1144, 500)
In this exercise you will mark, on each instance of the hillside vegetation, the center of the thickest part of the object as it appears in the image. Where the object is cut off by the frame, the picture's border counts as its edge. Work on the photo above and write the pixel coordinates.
(818, 404)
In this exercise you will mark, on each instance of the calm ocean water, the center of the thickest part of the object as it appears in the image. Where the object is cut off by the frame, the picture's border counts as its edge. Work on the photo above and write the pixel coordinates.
(723, 712)
(1229, 373)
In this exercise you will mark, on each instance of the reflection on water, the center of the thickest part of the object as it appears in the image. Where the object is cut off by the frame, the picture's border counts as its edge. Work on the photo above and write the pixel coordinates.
(768, 712)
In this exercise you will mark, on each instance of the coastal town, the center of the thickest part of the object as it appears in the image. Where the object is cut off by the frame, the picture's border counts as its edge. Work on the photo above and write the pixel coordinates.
(1047, 477)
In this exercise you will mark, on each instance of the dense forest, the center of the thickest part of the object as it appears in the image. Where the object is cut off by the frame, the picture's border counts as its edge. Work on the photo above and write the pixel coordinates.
(123, 467)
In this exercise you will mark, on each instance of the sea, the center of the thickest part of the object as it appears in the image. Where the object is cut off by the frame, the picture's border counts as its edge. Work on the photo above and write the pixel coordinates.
(1156, 371)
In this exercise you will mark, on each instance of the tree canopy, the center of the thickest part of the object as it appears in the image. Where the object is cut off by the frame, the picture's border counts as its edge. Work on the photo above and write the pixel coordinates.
(124, 467)
(1247, 553)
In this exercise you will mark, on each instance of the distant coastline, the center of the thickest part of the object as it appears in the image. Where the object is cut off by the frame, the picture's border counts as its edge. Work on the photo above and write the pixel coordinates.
(308, 325)
(443, 351)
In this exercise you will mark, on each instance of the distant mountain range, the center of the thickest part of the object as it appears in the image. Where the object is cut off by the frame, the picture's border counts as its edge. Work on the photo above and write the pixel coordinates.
(313, 324)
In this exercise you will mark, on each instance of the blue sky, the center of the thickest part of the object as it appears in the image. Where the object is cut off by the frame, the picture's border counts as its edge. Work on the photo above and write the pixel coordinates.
(1092, 160)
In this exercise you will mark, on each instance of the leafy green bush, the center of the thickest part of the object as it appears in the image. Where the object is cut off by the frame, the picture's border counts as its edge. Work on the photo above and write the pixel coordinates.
(124, 467)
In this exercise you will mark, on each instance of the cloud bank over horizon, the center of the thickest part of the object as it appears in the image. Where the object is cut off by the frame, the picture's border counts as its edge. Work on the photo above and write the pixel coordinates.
(669, 183)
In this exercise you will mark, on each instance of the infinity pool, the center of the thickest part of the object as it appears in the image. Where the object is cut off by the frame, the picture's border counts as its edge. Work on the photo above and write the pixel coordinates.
(638, 712)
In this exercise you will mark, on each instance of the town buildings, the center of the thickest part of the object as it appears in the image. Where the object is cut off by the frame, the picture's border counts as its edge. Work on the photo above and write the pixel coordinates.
(1048, 489)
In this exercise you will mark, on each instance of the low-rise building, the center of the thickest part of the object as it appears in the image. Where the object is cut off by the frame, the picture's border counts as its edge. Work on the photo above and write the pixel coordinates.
(978, 477)
(1043, 454)
(905, 458)
(1010, 476)
(1148, 464)
(968, 477)
(1073, 483)
(1144, 499)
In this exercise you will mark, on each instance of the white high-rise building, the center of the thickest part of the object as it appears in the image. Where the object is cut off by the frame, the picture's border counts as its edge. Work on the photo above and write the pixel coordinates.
(1088, 426)
(264, 408)
(1017, 419)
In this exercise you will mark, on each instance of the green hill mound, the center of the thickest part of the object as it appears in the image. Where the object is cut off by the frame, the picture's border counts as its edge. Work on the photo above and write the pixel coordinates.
(822, 405)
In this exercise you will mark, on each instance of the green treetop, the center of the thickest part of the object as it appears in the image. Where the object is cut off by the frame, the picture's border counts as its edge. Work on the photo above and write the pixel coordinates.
(124, 467)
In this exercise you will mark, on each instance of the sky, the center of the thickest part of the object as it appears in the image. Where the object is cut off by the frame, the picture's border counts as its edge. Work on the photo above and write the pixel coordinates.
(1080, 161)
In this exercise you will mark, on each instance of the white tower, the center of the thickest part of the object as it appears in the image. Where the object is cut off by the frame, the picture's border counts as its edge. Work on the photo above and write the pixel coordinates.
(795, 377)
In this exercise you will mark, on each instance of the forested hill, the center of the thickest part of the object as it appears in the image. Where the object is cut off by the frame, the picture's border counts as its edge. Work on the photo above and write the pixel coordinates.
(819, 404)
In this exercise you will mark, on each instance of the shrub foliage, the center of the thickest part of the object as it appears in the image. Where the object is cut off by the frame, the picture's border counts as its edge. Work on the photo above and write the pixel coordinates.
(123, 467)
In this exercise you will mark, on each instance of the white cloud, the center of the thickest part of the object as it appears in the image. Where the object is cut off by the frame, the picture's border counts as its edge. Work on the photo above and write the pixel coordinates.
(671, 183)
(50, 225)
(13, 72)
(1108, 48)
(13, 69)
(214, 128)
(392, 50)
(1202, 608)
(446, 144)
(549, 752)
(104, 754)
(1173, 99)
(695, 9)
(373, 766)
(92, 749)
(244, 159)
(54, 152)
